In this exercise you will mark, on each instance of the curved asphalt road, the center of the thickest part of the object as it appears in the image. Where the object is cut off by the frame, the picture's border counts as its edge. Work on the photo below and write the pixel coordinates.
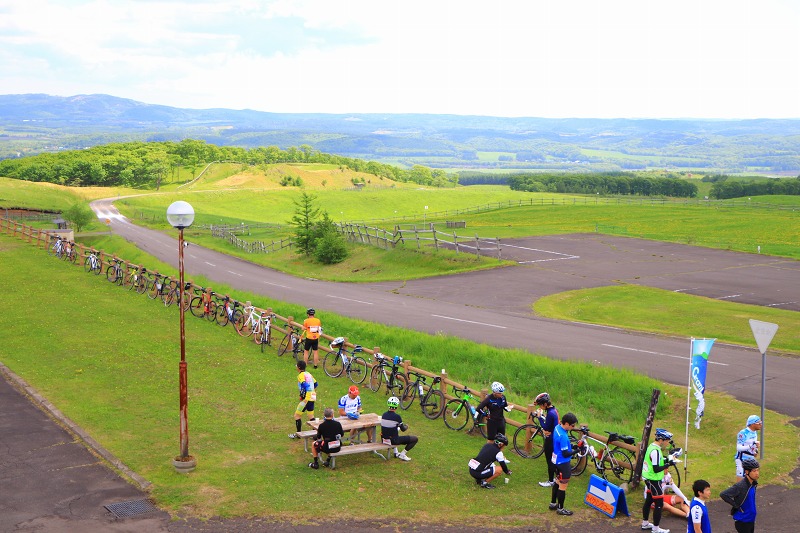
(493, 307)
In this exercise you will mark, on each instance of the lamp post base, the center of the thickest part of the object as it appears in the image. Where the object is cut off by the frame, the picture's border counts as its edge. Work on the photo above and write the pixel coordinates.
(184, 466)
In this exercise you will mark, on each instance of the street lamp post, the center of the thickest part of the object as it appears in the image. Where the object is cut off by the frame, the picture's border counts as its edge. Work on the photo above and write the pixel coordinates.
(181, 215)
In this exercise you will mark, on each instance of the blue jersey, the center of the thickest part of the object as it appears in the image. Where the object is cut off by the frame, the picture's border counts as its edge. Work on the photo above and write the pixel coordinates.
(698, 514)
(748, 509)
(746, 444)
(550, 420)
(561, 442)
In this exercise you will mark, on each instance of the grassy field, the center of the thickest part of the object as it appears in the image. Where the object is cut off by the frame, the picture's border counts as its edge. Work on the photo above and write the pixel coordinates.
(670, 313)
(123, 348)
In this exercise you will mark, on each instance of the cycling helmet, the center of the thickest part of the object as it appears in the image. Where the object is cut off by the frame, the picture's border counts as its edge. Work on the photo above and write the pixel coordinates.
(310, 311)
(498, 387)
(393, 402)
(542, 399)
(353, 416)
(337, 342)
(663, 434)
(749, 464)
(353, 390)
(396, 360)
(501, 439)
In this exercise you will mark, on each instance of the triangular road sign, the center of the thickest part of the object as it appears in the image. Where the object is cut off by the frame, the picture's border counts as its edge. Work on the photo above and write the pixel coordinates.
(763, 332)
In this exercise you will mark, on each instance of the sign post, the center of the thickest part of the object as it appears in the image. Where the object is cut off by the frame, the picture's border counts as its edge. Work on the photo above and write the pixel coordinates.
(763, 333)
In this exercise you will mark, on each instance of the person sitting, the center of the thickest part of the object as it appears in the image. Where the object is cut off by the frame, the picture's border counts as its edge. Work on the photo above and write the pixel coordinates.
(327, 440)
(390, 423)
(350, 406)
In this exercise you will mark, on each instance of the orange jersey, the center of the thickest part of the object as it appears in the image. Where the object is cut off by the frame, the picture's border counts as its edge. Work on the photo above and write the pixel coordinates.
(313, 327)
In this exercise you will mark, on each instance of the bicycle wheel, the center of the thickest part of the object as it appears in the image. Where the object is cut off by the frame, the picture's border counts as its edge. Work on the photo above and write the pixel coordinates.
(357, 370)
(142, 283)
(398, 384)
(456, 414)
(243, 324)
(407, 399)
(529, 448)
(73, 256)
(297, 350)
(332, 365)
(87, 264)
(620, 463)
(264, 339)
(212, 311)
(480, 423)
(197, 307)
(432, 404)
(154, 289)
(375, 378)
(257, 335)
(577, 463)
(221, 315)
(97, 266)
(169, 297)
(676, 475)
(284, 345)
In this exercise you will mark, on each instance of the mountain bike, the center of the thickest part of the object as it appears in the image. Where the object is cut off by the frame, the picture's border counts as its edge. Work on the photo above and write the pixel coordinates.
(114, 272)
(93, 263)
(431, 401)
(529, 439)
(384, 370)
(606, 459)
(340, 360)
(291, 341)
(203, 305)
(459, 411)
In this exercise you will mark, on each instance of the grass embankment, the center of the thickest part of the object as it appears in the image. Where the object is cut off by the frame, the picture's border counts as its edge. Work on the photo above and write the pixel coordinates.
(122, 348)
(671, 313)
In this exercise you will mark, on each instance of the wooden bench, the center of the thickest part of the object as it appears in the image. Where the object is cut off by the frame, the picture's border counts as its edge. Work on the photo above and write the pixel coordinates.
(374, 447)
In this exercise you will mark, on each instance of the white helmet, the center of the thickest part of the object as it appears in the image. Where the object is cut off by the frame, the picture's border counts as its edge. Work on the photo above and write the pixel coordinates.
(498, 387)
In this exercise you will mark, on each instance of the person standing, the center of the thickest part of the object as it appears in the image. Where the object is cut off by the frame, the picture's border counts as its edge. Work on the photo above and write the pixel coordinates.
(308, 395)
(312, 329)
(742, 498)
(561, 456)
(498, 406)
(653, 470)
(390, 423)
(482, 467)
(698, 520)
(328, 439)
(747, 443)
(548, 420)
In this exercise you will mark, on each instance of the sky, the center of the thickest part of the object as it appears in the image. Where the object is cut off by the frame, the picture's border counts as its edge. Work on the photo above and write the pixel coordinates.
(509, 58)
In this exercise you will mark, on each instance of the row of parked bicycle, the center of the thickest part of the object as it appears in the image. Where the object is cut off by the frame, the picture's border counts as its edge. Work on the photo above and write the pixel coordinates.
(384, 372)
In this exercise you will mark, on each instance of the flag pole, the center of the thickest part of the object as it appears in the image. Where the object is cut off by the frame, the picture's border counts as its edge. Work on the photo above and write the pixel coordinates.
(688, 408)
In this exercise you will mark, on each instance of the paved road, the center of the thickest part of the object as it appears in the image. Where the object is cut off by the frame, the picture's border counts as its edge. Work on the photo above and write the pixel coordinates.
(493, 307)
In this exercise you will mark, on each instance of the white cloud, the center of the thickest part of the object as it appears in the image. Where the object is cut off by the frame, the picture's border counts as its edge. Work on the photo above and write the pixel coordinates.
(625, 58)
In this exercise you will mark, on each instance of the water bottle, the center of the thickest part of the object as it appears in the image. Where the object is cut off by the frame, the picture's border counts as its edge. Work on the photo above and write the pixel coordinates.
(472, 410)
(592, 451)
(420, 390)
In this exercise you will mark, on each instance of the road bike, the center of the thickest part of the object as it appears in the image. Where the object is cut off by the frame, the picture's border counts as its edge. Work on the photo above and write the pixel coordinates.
(56, 247)
(93, 263)
(291, 342)
(339, 360)
(529, 438)
(431, 401)
(388, 371)
(459, 411)
(227, 311)
(606, 458)
(262, 331)
(203, 305)
(171, 293)
(115, 273)
(68, 251)
(247, 321)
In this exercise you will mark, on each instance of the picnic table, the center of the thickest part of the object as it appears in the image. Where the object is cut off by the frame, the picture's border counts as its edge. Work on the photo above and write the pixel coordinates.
(367, 422)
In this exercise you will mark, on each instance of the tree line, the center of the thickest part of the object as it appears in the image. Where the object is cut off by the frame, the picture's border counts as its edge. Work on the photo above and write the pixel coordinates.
(147, 164)
(723, 188)
(611, 183)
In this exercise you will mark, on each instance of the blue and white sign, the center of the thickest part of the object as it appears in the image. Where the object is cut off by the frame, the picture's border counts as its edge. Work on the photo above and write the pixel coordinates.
(605, 497)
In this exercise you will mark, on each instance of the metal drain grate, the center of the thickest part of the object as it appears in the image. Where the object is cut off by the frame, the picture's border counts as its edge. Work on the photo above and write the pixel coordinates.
(131, 508)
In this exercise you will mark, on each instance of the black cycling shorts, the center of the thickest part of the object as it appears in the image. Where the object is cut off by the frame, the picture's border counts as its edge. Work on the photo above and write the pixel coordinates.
(311, 344)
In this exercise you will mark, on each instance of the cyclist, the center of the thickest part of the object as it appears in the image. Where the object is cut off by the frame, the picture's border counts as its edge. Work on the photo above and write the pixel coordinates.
(390, 423)
(548, 420)
(747, 443)
(742, 497)
(308, 395)
(350, 406)
(562, 453)
(482, 467)
(328, 439)
(653, 470)
(698, 514)
(312, 329)
(497, 404)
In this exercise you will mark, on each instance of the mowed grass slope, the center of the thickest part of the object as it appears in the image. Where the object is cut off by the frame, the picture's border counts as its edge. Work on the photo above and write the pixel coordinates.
(108, 359)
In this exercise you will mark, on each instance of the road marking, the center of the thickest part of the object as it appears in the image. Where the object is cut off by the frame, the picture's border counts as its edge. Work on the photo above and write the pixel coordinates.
(782, 303)
(234, 273)
(681, 290)
(275, 284)
(729, 296)
(658, 353)
(349, 299)
(193, 257)
(210, 264)
(470, 321)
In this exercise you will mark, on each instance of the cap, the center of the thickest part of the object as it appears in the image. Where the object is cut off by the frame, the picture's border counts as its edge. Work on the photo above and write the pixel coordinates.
(753, 419)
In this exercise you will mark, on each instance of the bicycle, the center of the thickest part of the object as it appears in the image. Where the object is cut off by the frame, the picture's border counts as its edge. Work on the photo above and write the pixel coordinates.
(93, 263)
(262, 332)
(56, 247)
(529, 439)
(173, 293)
(396, 381)
(339, 361)
(226, 310)
(291, 341)
(203, 305)
(459, 411)
(69, 253)
(431, 402)
(618, 461)
(248, 321)
(114, 272)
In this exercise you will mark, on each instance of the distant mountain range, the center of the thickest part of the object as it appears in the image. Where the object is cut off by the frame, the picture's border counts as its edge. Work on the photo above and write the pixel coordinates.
(30, 123)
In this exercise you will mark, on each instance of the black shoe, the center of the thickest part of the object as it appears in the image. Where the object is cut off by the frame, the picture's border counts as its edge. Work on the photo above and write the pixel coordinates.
(553, 506)
(485, 485)
(564, 512)
(313, 465)
(326, 464)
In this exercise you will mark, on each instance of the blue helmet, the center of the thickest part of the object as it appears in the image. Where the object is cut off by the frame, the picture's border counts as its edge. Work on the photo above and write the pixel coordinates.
(353, 416)
(663, 434)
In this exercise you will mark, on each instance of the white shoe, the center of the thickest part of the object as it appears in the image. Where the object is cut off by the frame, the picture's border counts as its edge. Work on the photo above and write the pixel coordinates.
(647, 525)
(294, 436)
(546, 483)
(402, 456)
(657, 529)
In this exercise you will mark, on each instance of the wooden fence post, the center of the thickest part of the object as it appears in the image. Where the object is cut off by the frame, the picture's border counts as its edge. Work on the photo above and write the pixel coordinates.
(648, 426)
(435, 240)
(532, 407)
(455, 241)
